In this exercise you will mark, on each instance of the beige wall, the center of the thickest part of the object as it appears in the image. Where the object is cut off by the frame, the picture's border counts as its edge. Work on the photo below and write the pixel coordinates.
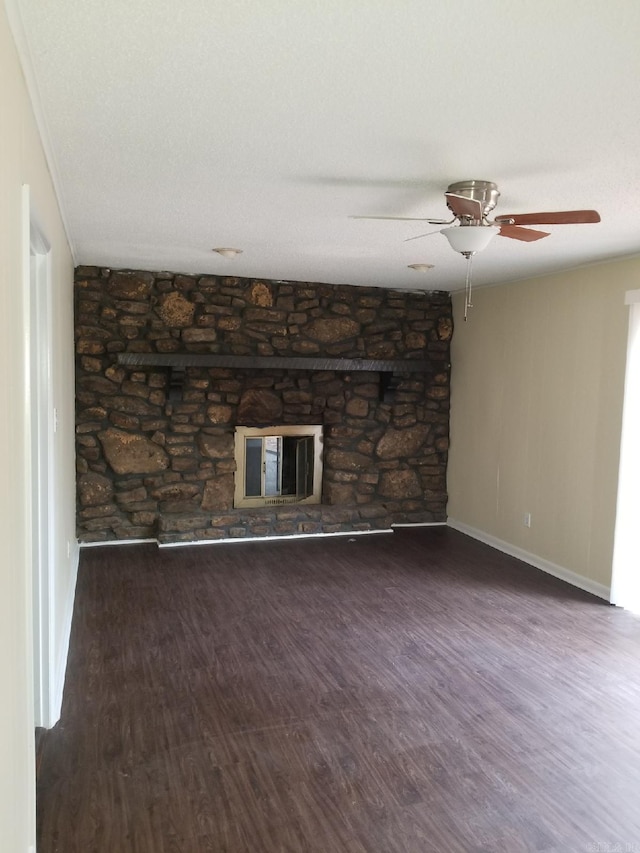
(22, 162)
(537, 388)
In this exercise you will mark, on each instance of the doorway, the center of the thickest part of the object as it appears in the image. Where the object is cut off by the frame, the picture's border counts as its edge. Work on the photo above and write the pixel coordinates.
(625, 581)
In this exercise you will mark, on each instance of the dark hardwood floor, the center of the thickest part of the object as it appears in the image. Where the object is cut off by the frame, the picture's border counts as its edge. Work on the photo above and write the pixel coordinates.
(397, 693)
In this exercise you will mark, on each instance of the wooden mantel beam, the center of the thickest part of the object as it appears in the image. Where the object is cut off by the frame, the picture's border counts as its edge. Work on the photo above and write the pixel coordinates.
(390, 369)
(258, 362)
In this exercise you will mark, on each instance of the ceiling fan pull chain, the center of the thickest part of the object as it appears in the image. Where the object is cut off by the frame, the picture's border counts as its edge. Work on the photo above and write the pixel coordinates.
(467, 288)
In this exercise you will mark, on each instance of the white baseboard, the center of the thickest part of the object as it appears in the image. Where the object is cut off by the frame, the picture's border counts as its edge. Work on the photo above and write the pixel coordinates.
(234, 539)
(237, 539)
(550, 568)
(118, 542)
(421, 524)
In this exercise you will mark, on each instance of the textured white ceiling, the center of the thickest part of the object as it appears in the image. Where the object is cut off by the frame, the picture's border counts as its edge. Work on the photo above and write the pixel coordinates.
(175, 127)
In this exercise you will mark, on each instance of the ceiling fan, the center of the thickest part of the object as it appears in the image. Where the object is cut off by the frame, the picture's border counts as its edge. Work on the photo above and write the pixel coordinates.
(471, 202)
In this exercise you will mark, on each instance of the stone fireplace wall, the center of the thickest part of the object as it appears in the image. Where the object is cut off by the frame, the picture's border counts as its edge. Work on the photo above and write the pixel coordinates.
(150, 467)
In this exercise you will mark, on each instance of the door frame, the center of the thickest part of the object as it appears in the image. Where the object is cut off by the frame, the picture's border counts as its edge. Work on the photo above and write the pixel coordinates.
(40, 423)
(625, 576)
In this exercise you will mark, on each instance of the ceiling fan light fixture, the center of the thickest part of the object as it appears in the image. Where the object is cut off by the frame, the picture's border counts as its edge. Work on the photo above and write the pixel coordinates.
(228, 252)
(469, 239)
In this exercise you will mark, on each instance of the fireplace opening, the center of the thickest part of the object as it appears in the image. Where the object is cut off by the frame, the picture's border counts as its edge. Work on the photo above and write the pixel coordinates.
(278, 465)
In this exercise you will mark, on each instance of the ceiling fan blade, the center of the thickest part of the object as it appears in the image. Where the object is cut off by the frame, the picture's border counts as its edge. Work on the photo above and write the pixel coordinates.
(560, 217)
(460, 205)
(419, 236)
(405, 219)
(528, 235)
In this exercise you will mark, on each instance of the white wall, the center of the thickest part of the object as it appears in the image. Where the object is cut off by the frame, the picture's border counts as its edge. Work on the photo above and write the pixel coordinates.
(22, 161)
(537, 389)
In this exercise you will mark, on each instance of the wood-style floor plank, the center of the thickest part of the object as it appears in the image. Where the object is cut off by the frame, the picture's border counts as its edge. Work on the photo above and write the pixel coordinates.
(400, 693)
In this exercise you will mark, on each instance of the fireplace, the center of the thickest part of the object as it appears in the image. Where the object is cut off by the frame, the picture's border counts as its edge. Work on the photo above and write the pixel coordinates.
(342, 392)
(278, 465)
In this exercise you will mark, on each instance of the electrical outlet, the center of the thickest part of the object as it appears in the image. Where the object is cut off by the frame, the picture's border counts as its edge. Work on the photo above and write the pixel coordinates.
(527, 519)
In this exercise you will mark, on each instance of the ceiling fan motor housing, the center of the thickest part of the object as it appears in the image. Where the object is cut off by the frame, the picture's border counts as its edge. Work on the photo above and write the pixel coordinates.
(485, 192)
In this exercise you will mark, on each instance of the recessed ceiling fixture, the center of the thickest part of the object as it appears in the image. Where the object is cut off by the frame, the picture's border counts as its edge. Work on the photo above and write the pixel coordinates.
(228, 253)
(420, 267)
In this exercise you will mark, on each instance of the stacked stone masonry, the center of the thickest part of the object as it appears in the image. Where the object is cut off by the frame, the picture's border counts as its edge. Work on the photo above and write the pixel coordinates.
(153, 468)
